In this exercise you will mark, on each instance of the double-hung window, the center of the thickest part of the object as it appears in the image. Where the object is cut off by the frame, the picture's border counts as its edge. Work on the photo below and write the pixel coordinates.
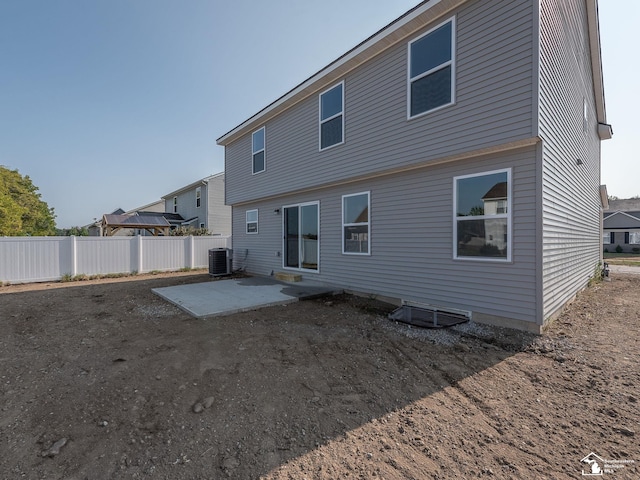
(355, 223)
(432, 69)
(634, 238)
(252, 221)
(332, 116)
(482, 216)
(198, 197)
(258, 151)
(175, 204)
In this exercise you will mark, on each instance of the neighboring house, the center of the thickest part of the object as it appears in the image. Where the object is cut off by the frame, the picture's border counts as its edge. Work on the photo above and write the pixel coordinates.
(451, 159)
(621, 226)
(202, 205)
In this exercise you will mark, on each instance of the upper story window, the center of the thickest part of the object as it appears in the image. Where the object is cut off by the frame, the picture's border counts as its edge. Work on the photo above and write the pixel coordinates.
(198, 196)
(252, 221)
(332, 116)
(432, 70)
(355, 223)
(175, 204)
(258, 150)
(482, 216)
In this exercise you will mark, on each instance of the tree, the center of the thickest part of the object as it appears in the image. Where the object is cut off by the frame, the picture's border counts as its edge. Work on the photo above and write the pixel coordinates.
(76, 231)
(22, 212)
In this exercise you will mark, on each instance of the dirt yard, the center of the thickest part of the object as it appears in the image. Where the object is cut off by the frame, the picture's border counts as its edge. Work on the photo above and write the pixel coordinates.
(104, 380)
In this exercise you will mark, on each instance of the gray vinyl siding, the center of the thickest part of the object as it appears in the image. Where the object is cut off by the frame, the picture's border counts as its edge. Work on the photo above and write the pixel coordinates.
(571, 234)
(411, 240)
(187, 205)
(494, 105)
(218, 214)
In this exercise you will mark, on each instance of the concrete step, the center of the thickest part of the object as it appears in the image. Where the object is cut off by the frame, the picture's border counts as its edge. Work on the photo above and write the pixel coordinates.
(288, 277)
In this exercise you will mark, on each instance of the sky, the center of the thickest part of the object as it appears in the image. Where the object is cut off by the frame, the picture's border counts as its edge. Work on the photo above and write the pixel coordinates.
(110, 104)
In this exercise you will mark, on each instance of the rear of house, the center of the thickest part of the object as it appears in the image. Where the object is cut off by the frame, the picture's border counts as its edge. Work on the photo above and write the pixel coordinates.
(435, 163)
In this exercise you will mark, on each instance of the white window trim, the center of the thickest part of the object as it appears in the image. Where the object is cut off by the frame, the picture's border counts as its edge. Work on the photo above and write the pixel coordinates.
(263, 149)
(198, 197)
(507, 215)
(631, 238)
(368, 223)
(321, 121)
(606, 238)
(451, 62)
(284, 260)
(247, 222)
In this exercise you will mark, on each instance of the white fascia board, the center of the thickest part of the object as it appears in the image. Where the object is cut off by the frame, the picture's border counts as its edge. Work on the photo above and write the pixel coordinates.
(604, 197)
(596, 60)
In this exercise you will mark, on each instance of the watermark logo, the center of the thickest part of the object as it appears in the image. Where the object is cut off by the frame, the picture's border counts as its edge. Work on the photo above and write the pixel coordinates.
(595, 463)
(596, 466)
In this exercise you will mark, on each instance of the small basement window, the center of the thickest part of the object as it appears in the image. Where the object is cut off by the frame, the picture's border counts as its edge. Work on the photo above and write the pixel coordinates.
(428, 316)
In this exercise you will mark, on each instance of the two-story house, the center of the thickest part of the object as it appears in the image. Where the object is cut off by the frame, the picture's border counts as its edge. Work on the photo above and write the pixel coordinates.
(202, 205)
(451, 159)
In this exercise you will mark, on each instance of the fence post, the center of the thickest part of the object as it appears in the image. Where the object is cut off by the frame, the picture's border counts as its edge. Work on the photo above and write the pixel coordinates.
(74, 256)
(192, 251)
(139, 245)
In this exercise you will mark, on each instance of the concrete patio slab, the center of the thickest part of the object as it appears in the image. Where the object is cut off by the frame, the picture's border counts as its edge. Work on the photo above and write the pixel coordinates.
(224, 297)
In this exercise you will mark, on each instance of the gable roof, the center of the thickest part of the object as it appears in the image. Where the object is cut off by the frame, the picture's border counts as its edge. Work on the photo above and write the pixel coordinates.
(156, 225)
(622, 220)
(134, 221)
(398, 30)
(191, 186)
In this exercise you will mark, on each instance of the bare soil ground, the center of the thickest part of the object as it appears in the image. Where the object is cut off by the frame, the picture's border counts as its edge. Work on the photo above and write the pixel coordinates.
(103, 380)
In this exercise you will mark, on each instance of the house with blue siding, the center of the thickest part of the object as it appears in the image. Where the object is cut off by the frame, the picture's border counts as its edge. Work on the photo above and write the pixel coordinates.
(450, 160)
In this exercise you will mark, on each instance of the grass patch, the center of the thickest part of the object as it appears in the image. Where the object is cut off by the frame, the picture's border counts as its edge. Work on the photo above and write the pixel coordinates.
(67, 277)
(628, 259)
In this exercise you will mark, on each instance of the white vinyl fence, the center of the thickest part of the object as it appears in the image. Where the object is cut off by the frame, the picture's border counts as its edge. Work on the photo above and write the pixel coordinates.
(44, 259)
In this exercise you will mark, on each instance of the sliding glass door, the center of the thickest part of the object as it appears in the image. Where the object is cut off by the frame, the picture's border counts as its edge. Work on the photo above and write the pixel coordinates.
(301, 234)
